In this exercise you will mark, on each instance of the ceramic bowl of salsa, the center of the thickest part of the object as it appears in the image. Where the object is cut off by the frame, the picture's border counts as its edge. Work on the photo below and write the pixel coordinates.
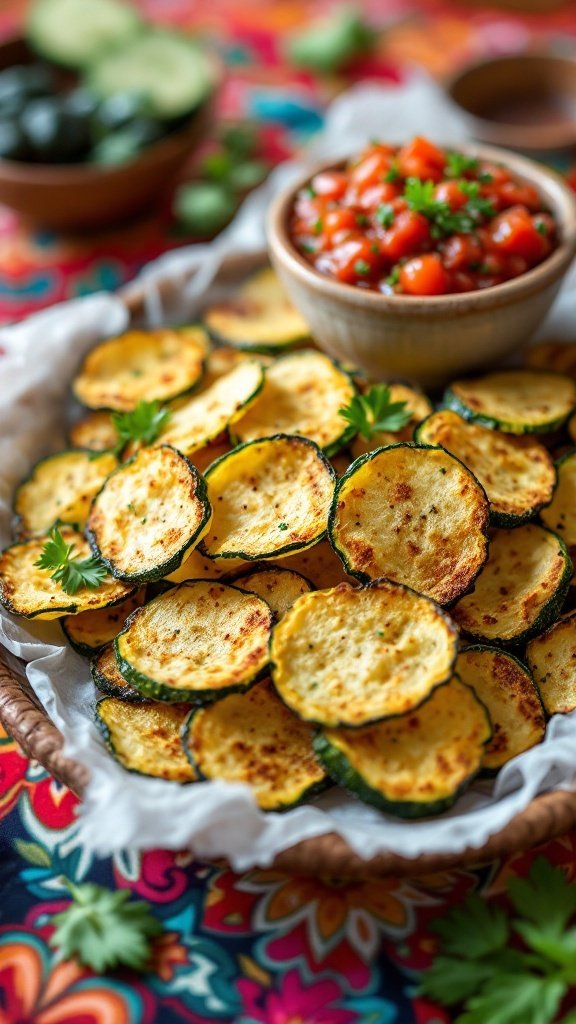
(420, 262)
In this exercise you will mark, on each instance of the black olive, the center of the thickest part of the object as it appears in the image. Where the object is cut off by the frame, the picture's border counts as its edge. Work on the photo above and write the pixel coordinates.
(126, 143)
(118, 112)
(13, 145)
(53, 133)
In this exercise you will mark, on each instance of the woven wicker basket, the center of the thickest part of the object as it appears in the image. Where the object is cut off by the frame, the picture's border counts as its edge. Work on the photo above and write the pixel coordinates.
(549, 815)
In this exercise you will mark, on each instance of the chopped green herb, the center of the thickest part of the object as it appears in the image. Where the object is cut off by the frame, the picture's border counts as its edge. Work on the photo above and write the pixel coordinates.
(393, 277)
(392, 175)
(361, 220)
(385, 214)
(308, 192)
(380, 633)
(307, 247)
(485, 178)
(361, 267)
(375, 248)
(131, 508)
(458, 164)
(282, 526)
(142, 424)
(145, 520)
(541, 228)
(367, 414)
(317, 227)
(419, 196)
(72, 573)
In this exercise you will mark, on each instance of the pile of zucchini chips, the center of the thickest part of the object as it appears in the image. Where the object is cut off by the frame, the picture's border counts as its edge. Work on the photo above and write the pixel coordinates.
(288, 577)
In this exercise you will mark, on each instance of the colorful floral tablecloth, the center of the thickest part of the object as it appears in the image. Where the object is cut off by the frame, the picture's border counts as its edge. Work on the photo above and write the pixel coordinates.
(262, 947)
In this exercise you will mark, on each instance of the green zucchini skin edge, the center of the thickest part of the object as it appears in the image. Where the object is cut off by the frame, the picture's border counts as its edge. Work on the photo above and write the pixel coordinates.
(367, 457)
(345, 437)
(452, 401)
(105, 732)
(102, 683)
(491, 773)
(260, 348)
(154, 690)
(306, 794)
(173, 563)
(548, 614)
(340, 770)
(505, 520)
(84, 649)
(386, 718)
(268, 556)
(17, 520)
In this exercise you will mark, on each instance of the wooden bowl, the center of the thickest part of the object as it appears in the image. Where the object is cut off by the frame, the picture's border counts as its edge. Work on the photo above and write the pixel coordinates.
(525, 101)
(69, 197)
(427, 338)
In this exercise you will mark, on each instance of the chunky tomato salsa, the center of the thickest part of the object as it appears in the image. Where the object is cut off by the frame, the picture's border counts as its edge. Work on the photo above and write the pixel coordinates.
(420, 220)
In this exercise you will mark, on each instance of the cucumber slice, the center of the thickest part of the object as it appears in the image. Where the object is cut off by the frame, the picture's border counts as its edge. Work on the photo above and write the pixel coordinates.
(75, 33)
(169, 70)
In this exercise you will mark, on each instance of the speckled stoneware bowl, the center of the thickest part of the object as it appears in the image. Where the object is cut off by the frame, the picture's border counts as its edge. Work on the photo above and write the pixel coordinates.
(432, 338)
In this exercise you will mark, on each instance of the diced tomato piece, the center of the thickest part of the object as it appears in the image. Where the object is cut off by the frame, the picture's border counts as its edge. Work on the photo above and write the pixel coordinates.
(309, 210)
(493, 263)
(519, 193)
(462, 282)
(513, 232)
(425, 275)
(336, 221)
(371, 170)
(421, 159)
(372, 197)
(462, 252)
(330, 184)
(408, 234)
(497, 173)
(515, 265)
(353, 261)
(448, 192)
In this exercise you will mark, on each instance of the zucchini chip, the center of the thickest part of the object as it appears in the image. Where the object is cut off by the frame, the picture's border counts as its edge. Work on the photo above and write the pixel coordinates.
(89, 632)
(515, 401)
(302, 394)
(195, 642)
(145, 738)
(552, 659)
(416, 765)
(259, 317)
(95, 432)
(319, 564)
(414, 514)
(27, 590)
(279, 587)
(557, 356)
(350, 656)
(148, 515)
(269, 497)
(202, 458)
(560, 515)
(221, 360)
(517, 473)
(253, 738)
(141, 366)
(199, 567)
(106, 675)
(416, 403)
(60, 489)
(522, 588)
(195, 422)
(507, 691)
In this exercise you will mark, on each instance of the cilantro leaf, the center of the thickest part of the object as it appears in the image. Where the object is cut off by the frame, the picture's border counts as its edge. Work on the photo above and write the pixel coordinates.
(419, 196)
(370, 413)
(545, 897)
(104, 929)
(72, 573)
(515, 999)
(451, 980)
(486, 929)
(458, 164)
(144, 423)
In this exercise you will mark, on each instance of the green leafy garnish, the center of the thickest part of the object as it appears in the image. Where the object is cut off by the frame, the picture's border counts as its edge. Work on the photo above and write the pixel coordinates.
(385, 214)
(370, 413)
(392, 175)
(72, 573)
(480, 967)
(361, 267)
(104, 929)
(144, 423)
(419, 196)
(458, 164)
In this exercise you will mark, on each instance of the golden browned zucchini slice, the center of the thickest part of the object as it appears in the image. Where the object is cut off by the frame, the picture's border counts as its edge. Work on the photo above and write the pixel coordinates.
(149, 514)
(302, 394)
(319, 564)
(552, 659)
(269, 498)
(202, 458)
(558, 356)
(90, 631)
(145, 738)
(517, 473)
(521, 589)
(141, 366)
(95, 432)
(416, 403)
(279, 587)
(253, 738)
(106, 675)
(506, 688)
(560, 515)
(415, 765)
(60, 490)
(350, 656)
(258, 317)
(515, 401)
(221, 360)
(198, 641)
(414, 514)
(199, 567)
(28, 590)
(197, 421)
